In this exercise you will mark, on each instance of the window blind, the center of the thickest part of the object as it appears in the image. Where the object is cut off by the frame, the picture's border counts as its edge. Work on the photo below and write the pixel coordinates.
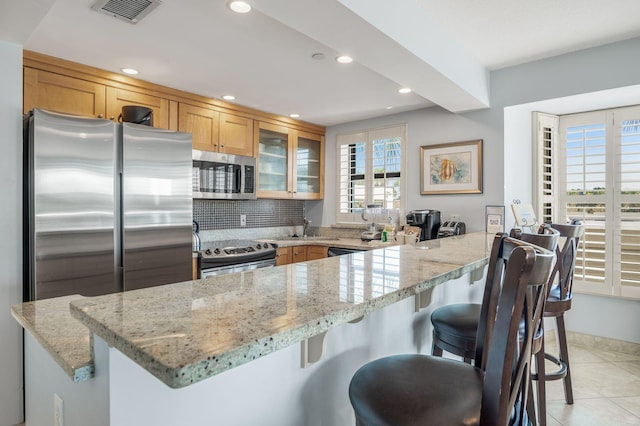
(589, 169)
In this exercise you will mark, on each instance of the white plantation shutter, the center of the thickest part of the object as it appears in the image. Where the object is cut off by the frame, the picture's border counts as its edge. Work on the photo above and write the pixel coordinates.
(386, 164)
(627, 130)
(584, 195)
(369, 171)
(595, 163)
(352, 152)
(547, 134)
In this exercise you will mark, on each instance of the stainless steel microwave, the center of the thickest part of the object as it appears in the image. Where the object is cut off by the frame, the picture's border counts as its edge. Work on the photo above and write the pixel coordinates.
(221, 176)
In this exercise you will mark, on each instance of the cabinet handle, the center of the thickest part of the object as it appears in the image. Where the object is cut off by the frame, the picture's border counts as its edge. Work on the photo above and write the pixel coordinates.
(112, 118)
(222, 146)
(100, 116)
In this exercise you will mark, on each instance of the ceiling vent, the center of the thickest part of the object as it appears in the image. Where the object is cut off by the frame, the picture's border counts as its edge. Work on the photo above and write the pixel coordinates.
(129, 10)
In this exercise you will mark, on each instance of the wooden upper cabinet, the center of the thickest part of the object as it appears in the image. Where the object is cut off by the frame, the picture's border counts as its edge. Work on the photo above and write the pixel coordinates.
(202, 123)
(290, 163)
(236, 135)
(117, 98)
(290, 153)
(59, 93)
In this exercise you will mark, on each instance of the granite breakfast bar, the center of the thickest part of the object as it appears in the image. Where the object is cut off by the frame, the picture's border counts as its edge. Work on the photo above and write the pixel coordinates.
(227, 350)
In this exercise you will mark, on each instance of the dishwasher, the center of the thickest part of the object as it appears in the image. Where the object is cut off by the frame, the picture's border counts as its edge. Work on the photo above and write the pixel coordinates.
(339, 251)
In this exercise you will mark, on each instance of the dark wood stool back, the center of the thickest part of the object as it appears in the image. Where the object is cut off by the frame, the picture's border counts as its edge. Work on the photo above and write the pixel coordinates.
(558, 301)
(419, 389)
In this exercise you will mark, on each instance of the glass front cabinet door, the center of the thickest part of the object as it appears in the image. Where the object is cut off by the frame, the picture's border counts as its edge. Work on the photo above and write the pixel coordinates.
(290, 163)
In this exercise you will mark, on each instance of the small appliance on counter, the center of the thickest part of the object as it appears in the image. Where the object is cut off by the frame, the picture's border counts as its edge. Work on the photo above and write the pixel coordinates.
(427, 220)
(371, 235)
(451, 228)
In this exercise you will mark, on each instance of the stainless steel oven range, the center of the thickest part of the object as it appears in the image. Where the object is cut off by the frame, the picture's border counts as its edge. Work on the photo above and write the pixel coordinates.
(225, 257)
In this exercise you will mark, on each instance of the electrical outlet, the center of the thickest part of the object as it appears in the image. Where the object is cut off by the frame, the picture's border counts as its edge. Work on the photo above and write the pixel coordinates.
(58, 410)
(243, 220)
(456, 217)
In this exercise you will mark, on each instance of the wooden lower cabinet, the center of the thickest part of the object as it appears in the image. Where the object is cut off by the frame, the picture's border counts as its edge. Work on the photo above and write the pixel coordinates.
(294, 254)
(283, 255)
(299, 254)
(195, 269)
(316, 252)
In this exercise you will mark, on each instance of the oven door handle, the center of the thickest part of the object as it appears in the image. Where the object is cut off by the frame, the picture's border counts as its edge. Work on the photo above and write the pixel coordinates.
(222, 270)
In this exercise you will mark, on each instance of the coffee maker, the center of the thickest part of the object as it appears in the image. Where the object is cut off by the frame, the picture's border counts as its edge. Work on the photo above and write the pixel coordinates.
(427, 220)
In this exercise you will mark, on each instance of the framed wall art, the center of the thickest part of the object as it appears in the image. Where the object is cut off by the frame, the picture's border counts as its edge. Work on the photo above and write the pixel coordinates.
(451, 168)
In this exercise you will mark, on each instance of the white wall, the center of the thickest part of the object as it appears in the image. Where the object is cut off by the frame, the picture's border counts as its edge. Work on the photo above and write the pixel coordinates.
(424, 127)
(11, 240)
(600, 77)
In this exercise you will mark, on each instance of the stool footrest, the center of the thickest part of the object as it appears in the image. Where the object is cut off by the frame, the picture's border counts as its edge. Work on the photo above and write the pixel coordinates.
(561, 373)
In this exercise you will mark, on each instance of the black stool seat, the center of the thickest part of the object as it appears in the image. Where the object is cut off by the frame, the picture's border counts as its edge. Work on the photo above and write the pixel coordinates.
(455, 327)
(419, 390)
(435, 399)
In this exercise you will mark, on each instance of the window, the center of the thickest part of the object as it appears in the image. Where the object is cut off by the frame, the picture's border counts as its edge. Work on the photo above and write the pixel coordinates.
(588, 168)
(370, 171)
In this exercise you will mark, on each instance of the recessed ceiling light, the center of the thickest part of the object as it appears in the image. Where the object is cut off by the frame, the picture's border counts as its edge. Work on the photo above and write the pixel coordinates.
(228, 97)
(404, 90)
(240, 6)
(129, 71)
(344, 59)
(294, 115)
(388, 107)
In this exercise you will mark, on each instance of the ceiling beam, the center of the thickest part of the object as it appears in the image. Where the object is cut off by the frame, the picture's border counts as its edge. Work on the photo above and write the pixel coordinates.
(397, 40)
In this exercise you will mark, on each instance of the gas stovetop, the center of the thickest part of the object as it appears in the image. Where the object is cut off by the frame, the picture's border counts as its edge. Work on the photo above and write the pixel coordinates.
(221, 253)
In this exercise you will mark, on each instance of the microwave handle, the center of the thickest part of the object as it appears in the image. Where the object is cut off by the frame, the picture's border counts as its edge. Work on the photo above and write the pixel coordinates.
(238, 178)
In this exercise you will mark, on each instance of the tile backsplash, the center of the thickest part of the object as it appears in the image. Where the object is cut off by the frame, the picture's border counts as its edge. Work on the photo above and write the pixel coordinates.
(263, 213)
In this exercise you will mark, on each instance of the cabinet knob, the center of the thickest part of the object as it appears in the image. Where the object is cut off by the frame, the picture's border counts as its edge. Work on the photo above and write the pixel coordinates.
(221, 145)
(100, 115)
(112, 118)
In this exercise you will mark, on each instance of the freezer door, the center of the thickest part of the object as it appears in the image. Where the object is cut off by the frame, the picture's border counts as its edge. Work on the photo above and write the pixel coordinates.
(156, 206)
(69, 206)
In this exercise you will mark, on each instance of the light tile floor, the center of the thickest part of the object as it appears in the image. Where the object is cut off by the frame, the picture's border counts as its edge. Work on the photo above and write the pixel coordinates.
(606, 389)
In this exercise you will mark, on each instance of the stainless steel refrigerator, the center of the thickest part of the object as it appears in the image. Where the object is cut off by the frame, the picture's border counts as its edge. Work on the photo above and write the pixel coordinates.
(107, 206)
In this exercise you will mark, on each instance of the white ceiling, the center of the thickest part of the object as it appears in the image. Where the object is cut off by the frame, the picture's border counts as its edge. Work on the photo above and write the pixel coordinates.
(442, 49)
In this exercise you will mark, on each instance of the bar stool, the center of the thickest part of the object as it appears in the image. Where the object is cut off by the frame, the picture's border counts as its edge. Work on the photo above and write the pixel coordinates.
(455, 325)
(558, 302)
(421, 389)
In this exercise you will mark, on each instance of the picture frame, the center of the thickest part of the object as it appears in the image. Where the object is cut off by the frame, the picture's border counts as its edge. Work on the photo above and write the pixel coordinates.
(494, 219)
(451, 168)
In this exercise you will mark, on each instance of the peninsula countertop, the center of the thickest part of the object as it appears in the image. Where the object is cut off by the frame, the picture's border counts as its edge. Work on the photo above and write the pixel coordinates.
(186, 332)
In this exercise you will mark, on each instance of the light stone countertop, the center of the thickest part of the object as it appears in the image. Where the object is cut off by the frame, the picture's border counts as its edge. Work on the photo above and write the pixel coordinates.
(186, 332)
(66, 339)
